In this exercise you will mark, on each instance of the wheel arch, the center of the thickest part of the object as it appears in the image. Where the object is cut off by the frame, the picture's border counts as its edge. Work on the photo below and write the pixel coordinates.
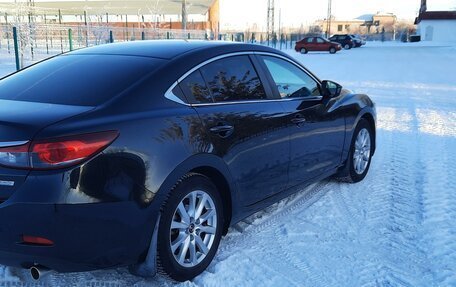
(361, 108)
(208, 165)
(217, 171)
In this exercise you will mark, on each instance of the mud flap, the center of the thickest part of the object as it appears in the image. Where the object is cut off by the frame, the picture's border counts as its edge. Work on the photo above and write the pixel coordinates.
(148, 268)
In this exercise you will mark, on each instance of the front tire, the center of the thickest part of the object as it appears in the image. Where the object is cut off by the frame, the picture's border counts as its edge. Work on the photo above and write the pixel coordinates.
(360, 155)
(190, 229)
(303, 51)
(347, 47)
(332, 50)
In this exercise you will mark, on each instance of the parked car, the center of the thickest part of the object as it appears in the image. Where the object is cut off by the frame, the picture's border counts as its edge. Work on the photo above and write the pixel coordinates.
(346, 41)
(359, 39)
(142, 154)
(316, 44)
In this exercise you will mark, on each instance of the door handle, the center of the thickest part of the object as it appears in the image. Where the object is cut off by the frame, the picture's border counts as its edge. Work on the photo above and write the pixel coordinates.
(298, 120)
(223, 131)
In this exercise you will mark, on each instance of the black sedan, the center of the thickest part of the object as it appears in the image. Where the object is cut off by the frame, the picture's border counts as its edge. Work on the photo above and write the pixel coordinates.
(346, 41)
(142, 154)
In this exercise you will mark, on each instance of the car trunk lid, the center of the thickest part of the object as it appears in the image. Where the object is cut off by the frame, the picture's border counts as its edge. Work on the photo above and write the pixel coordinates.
(20, 121)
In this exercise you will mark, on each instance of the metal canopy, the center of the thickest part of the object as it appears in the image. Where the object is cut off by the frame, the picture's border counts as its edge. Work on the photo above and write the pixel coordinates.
(112, 7)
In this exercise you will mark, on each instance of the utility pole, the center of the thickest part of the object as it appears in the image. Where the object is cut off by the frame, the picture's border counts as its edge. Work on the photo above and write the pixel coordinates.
(280, 29)
(184, 15)
(7, 33)
(328, 20)
(31, 22)
(270, 20)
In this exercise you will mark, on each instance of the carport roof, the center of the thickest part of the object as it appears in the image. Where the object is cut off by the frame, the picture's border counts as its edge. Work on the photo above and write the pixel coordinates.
(114, 7)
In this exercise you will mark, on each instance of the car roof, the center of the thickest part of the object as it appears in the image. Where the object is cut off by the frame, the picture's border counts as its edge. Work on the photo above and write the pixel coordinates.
(167, 49)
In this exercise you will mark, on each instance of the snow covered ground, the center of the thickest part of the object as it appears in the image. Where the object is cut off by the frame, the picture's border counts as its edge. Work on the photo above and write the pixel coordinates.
(396, 228)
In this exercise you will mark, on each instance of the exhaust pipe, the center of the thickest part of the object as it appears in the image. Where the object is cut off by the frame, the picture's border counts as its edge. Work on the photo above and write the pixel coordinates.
(38, 272)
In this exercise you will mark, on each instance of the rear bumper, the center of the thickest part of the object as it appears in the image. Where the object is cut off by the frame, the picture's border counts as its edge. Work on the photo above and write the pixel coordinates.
(85, 236)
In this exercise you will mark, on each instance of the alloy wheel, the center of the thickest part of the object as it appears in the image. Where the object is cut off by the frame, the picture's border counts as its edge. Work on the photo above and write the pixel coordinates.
(361, 155)
(193, 228)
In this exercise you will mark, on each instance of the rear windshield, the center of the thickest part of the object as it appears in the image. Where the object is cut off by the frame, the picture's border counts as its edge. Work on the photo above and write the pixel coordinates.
(82, 80)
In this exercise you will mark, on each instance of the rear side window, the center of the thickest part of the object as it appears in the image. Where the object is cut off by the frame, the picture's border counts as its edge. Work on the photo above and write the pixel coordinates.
(195, 89)
(309, 40)
(81, 80)
(233, 79)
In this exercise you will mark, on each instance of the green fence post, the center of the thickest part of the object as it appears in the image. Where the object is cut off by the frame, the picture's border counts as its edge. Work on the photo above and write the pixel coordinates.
(143, 35)
(205, 36)
(70, 39)
(16, 48)
(167, 35)
(111, 37)
(188, 36)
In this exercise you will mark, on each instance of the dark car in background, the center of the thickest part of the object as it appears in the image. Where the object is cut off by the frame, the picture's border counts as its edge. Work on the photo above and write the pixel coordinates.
(346, 41)
(320, 44)
(142, 154)
(360, 40)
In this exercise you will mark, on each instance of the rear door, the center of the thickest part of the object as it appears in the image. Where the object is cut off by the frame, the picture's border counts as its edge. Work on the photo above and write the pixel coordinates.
(310, 44)
(246, 127)
(316, 132)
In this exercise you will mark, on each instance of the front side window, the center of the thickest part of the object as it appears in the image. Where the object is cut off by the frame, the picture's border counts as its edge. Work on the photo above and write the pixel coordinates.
(233, 79)
(320, 40)
(291, 81)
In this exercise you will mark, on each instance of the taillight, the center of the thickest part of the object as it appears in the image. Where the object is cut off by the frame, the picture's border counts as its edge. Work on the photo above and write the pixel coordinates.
(57, 152)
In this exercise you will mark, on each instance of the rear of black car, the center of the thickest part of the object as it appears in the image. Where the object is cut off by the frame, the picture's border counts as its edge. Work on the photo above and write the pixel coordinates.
(345, 41)
(61, 205)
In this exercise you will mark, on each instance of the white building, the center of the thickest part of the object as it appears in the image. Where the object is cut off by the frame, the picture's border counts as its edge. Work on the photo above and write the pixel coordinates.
(437, 26)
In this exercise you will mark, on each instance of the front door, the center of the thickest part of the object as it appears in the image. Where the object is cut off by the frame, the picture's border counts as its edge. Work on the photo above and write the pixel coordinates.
(316, 133)
(321, 44)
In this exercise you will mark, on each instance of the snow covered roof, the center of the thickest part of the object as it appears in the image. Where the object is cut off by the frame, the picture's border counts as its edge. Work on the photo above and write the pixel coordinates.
(436, 15)
(370, 17)
(365, 17)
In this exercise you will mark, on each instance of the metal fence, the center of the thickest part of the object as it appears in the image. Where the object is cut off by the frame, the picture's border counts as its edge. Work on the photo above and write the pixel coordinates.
(24, 44)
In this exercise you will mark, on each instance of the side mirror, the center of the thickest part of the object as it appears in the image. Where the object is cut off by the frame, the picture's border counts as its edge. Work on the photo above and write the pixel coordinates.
(330, 89)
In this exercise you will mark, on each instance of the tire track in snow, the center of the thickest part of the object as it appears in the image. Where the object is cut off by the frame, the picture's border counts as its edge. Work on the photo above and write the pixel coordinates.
(271, 251)
(440, 201)
(399, 235)
(393, 215)
(297, 264)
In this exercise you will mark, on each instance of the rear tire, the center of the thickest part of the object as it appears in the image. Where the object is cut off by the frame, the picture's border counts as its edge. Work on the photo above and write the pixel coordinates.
(347, 47)
(360, 155)
(303, 51)
(190, 229)
(332, 50)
